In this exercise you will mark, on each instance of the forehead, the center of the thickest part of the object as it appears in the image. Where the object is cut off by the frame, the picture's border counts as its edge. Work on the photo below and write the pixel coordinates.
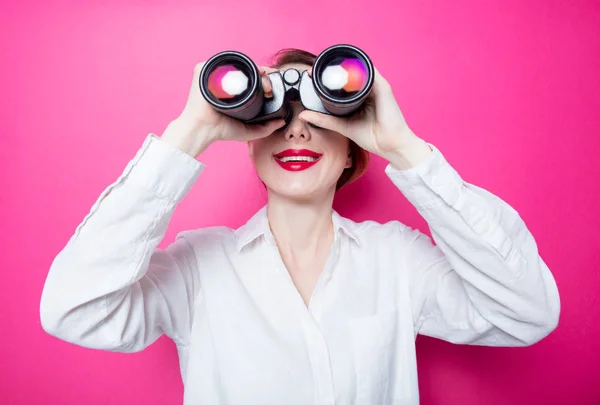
(299, 66)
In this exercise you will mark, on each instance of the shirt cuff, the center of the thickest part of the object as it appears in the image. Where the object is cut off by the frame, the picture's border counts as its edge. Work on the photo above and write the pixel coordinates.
(164, 169)
(429, 184)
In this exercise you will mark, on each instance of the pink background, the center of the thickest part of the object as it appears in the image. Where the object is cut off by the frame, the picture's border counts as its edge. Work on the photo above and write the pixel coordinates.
(508, 90)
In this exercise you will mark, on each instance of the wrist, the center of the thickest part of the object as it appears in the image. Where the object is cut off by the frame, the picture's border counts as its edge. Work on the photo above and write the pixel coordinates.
(188, 136)
(410, 154)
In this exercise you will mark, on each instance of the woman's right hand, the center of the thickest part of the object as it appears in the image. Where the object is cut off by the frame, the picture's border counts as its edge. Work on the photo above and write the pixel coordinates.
(199, 124)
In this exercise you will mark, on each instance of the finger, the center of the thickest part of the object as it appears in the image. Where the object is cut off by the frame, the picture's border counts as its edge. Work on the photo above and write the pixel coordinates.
(268, 69)
(266, 81)
(197, 71)
(267, 87)
(330, 122)
(265, 71)
(382, 93)
(257, 131)
(380, 84)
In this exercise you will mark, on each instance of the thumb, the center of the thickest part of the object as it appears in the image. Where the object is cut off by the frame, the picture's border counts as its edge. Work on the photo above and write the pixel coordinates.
(262, 130)
(330, 122)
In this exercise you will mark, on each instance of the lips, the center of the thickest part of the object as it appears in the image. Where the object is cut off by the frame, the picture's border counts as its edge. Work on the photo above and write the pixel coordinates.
(297, 159)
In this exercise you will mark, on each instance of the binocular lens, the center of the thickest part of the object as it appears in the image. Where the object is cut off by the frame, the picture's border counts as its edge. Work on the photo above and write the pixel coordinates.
(344, 76)
(229, 83)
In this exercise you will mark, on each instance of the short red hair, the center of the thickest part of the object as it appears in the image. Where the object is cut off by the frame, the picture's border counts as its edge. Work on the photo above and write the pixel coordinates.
(360, 157)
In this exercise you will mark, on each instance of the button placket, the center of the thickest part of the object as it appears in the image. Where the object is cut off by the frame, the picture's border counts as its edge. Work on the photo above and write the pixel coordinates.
(316, 302)
(316, 344)
(319, 360)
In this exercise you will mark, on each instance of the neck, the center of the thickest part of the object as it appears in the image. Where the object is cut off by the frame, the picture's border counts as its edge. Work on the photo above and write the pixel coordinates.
(301, 226)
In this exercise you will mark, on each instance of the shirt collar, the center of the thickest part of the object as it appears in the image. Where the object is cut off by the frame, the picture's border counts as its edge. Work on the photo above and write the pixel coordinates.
(258, 225)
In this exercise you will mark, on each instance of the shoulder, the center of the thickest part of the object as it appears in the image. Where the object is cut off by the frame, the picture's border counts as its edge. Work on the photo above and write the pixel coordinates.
(371, 232)
(394, 240)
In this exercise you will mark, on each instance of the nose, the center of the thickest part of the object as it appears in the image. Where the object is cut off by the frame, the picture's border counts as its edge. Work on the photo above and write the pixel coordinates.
(297, 129)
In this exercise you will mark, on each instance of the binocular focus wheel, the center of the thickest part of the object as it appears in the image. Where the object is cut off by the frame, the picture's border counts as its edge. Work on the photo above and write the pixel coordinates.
(291, 76)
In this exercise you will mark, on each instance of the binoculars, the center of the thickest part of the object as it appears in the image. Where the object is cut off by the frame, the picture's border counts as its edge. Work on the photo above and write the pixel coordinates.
(342, 78)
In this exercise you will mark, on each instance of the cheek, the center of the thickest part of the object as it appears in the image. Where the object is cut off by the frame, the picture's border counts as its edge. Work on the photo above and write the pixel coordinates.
(261, 155)
(341, 148)
(258, 149)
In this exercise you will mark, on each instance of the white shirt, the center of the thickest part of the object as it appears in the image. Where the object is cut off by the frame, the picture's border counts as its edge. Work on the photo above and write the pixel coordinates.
(242, 330)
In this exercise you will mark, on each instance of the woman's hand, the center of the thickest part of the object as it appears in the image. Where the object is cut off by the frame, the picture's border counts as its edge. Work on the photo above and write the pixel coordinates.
(379, 127)
(199, 124)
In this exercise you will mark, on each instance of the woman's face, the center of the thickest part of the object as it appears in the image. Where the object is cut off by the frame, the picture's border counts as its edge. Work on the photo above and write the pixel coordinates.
(300, 161)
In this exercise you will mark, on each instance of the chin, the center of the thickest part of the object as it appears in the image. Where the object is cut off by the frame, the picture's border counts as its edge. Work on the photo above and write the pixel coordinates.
(299, 191)
(316, 182)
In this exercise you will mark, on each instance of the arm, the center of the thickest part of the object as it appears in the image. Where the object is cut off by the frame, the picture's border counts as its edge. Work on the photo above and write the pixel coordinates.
(111, 287)
(484, 283)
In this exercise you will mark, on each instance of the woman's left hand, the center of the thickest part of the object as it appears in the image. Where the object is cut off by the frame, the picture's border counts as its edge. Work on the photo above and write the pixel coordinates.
(379, 128)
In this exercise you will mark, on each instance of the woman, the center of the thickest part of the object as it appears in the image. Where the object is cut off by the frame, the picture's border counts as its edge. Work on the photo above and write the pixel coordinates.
(299, 305)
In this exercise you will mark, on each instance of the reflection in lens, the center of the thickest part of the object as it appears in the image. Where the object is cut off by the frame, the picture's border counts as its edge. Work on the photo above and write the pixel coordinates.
(228, 83)
(344, 77)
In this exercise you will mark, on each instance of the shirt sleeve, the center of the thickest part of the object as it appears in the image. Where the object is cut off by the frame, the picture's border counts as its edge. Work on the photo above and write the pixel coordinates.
(483, 283)
(110, 287)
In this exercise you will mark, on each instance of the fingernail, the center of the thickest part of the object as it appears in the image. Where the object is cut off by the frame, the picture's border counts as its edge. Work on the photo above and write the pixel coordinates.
(265, 83)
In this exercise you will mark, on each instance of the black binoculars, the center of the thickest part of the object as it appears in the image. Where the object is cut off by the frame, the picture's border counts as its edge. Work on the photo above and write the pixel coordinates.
(342, 78)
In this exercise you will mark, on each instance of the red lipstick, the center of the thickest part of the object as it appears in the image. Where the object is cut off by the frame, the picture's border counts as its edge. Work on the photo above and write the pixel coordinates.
(297, 159)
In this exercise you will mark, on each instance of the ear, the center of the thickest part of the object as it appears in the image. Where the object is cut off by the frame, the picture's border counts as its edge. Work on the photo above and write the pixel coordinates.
(349, 160)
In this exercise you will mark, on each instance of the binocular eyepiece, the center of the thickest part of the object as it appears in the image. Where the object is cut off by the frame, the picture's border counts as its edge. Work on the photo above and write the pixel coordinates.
(341, 80)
